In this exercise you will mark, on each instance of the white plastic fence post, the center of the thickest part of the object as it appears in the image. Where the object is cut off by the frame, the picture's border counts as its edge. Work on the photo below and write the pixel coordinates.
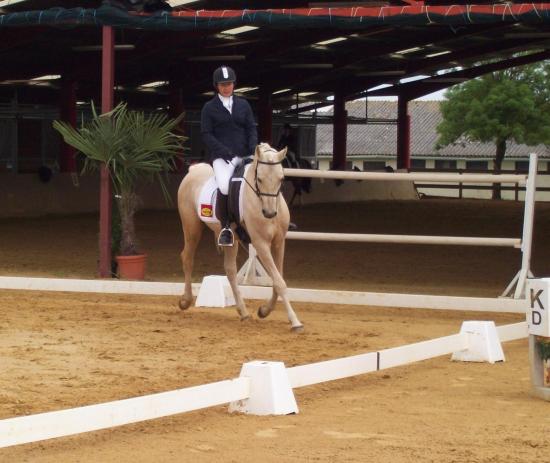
(270, 390)
(215, 291)
(483, 343)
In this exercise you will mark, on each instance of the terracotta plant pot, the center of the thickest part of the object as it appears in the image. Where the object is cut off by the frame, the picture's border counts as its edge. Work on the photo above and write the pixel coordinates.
(132, 267)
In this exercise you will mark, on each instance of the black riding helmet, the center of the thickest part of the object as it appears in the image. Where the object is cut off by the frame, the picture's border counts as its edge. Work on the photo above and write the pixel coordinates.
(223, 74)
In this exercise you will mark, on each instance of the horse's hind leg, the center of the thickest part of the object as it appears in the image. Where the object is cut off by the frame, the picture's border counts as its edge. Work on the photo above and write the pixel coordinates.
(274, 266)
(230, 265)
(265, 309)
(192, 231)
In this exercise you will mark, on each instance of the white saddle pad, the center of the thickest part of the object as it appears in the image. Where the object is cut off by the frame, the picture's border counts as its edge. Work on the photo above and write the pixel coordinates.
(206, 207)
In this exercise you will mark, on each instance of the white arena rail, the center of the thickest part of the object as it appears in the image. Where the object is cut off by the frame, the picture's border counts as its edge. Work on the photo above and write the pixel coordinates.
(314, 373)
(321, 296)
(404, 239)
(413, 177)
(34, 428)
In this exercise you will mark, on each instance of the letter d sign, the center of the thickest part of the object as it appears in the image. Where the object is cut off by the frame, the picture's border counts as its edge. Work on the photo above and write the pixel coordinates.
(537, 313)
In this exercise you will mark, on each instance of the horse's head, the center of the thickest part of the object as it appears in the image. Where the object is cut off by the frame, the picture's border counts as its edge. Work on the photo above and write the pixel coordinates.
(269, 177)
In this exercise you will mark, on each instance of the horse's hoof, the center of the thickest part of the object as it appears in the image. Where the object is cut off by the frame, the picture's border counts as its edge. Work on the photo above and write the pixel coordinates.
(261, 311)
(245, 318)
(184, 304)
(297, 329)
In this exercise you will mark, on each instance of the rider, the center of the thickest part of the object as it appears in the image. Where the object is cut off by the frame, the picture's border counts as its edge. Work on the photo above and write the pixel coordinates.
(229, 132)
(288, 140)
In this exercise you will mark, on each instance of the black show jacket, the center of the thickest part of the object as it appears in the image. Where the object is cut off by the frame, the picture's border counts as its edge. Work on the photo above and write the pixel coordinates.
(226, 134)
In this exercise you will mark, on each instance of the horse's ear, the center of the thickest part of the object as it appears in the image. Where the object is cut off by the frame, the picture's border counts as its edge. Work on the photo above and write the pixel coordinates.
(282, 154)
(257, 152)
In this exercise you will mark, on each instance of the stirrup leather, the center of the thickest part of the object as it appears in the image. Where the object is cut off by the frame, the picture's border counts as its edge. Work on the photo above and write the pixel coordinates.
(225, 237)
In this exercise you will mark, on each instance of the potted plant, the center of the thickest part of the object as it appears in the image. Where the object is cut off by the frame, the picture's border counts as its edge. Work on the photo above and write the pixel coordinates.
(543, 346)
(134, 147)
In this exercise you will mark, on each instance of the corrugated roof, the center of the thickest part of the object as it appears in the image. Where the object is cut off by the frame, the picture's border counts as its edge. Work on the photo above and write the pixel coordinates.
(381, 140)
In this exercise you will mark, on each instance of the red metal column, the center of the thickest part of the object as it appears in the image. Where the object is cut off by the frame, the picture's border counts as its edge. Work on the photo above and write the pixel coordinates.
(175, 108)
(67, 113)
(265, 116)
(340, 124)
(107, 99)
(403, 134)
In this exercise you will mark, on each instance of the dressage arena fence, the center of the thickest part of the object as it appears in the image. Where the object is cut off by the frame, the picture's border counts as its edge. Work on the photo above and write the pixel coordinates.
(246, 393)
(253, 273)
(260, 393)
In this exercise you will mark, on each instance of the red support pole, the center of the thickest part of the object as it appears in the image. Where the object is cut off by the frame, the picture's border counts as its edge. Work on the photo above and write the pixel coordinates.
(403, 134)
(67, 110)
(105, 193)
(340, 124)
(175, 108)
(265, 116)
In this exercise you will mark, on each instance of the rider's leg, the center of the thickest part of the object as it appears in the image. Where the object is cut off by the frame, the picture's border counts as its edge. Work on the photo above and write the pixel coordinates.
(223, 171)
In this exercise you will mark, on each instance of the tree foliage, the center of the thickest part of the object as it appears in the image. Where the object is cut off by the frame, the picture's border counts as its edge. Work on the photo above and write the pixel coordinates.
(503, 106)
(133, 146)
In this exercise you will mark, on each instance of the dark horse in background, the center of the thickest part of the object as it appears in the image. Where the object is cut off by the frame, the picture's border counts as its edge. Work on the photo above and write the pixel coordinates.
(299, 184)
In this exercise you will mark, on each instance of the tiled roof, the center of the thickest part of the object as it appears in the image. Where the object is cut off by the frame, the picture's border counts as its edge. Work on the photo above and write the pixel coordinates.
(381, 139)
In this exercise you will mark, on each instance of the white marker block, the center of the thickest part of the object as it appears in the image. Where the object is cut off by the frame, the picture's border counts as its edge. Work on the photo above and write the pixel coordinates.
(483, 341)
(215, 291)
(270, 390)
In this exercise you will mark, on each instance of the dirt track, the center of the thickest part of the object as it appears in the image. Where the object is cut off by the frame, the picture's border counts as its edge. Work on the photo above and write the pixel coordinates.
(61, 350)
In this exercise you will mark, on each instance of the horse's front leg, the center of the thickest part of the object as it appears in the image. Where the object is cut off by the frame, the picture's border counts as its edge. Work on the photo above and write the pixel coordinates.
(274, 266)
(230, 265)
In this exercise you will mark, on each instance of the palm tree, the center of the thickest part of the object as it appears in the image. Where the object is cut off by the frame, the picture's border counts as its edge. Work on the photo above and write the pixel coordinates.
(133, 147)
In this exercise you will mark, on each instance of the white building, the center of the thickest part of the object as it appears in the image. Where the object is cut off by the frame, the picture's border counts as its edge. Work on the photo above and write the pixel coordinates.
(372, 145)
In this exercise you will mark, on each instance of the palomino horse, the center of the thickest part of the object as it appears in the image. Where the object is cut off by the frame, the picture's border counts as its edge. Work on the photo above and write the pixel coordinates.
(265, 216)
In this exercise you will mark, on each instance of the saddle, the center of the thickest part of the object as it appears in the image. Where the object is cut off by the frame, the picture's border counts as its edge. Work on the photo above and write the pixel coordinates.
(208, 195)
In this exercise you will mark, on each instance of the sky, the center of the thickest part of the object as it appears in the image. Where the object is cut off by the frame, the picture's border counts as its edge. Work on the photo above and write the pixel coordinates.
(432, 96)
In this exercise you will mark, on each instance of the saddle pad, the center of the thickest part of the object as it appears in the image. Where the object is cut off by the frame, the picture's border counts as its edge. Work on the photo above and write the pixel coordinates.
(206, 207)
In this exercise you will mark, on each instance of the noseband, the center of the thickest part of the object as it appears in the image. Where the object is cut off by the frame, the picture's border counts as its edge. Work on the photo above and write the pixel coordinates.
(256, 188)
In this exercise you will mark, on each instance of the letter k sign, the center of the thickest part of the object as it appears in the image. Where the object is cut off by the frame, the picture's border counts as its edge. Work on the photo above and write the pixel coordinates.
(535, 297)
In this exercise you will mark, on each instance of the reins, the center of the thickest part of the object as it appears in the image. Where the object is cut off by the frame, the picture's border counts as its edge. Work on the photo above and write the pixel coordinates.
(256, 189)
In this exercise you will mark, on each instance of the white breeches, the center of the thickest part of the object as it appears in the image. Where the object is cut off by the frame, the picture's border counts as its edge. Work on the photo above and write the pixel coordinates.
(223, 171)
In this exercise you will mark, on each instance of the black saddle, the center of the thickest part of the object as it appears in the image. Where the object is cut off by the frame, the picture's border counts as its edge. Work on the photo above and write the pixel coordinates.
(235, 184)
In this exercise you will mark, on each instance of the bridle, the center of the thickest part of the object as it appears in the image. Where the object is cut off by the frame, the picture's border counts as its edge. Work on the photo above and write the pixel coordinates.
(256, 188)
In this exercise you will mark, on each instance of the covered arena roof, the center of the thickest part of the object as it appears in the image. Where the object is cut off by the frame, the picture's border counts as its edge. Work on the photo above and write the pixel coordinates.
(303, 53)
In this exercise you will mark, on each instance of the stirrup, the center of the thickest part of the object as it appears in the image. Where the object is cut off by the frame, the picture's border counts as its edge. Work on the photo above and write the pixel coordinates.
(225, 238)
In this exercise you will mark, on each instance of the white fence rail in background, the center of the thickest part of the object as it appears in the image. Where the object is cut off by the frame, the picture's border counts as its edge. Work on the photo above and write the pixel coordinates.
(410, 176)
(404, 239)
(516, 287)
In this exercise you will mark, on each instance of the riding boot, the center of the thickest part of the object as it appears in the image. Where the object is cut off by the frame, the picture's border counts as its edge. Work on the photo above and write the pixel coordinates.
(226, 235)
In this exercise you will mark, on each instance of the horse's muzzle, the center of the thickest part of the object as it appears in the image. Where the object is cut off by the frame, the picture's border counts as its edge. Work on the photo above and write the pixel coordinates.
(269, 215)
